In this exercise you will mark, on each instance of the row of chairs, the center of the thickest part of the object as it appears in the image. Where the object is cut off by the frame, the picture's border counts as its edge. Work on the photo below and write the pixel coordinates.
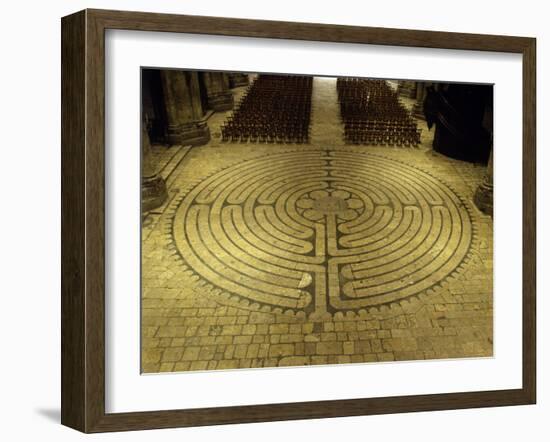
(372, 114)
(275, 109)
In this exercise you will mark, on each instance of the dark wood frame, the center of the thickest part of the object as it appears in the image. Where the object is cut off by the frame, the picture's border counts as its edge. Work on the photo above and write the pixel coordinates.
(83, 215)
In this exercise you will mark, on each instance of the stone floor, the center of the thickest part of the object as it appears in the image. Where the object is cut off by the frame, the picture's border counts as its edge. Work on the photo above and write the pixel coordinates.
(278, 255)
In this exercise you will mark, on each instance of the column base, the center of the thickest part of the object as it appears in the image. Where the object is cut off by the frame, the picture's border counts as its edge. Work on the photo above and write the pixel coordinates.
(221, 102)
(418, 111)
(153, 192)
(238, 80)
(407, 90)
(483, 198)
(194, 134)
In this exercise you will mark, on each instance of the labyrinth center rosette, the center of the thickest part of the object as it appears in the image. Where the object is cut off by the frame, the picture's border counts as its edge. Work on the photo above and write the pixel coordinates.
(321, 231)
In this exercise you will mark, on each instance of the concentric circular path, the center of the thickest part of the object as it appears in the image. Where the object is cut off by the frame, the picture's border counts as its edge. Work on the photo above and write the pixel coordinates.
(321, 231)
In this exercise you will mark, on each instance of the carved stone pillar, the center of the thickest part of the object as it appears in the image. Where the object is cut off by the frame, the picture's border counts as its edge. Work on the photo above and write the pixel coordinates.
(153, 187)
(238, 79)
(406, 88)
(220, 98)
(483, 197)
(183, 108)
(414, 89)
(418, 108)
(400, 87)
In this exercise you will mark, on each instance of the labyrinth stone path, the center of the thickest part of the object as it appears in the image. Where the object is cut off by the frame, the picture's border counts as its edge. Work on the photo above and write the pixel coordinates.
(313, 233)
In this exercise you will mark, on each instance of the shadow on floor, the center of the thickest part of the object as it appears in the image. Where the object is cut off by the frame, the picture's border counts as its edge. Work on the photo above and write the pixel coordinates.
(51, 414)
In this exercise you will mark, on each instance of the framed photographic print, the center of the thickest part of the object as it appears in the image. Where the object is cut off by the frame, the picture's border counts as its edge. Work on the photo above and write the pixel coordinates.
(268, 221)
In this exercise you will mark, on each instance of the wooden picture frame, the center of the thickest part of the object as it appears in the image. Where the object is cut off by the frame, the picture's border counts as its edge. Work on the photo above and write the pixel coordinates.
(83, 220)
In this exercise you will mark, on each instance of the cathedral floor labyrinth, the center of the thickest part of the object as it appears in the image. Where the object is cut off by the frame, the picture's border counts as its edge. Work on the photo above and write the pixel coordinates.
(313, 233)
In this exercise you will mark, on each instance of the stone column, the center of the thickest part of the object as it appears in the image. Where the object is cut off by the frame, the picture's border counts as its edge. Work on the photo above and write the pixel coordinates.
(153, 187)
(183, 108)
(400, 86)
(483, 197)
(406, 88)
(238, 79)
(220, 98)
(418, 108)
(414, 89)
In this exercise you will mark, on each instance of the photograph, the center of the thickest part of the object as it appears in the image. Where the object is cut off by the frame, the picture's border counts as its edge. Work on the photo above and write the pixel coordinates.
(293, 220)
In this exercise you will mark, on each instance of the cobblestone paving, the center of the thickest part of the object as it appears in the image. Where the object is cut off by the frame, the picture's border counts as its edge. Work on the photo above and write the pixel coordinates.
(278, 255)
